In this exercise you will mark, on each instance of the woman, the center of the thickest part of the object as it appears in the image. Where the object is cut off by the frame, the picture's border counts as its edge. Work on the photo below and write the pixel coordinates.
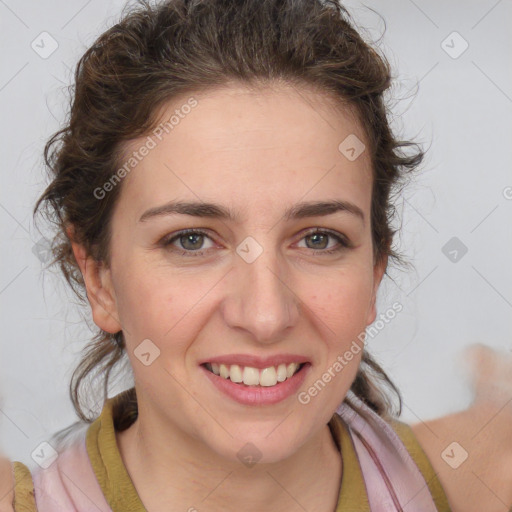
(222, 196)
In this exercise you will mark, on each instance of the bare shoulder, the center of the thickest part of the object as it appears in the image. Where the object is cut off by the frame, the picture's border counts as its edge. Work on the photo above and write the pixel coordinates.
(6, 485)
(471, 452)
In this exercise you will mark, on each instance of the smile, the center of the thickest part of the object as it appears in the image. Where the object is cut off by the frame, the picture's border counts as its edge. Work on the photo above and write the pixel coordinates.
(256, 386)
(251, 376)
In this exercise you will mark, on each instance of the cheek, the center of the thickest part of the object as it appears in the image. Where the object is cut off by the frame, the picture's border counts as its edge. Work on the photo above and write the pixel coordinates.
(147, 305)
(343, 303)
(160, 306)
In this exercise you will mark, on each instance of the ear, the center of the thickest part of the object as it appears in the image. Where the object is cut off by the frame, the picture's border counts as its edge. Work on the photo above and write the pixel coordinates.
(100, 291)
(378, 273)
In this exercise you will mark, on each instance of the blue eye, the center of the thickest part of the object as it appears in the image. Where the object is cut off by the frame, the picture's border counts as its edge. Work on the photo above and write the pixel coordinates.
(191, 241)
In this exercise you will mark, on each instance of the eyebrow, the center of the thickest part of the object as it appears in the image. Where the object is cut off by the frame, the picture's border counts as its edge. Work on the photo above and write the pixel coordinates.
(215, 211)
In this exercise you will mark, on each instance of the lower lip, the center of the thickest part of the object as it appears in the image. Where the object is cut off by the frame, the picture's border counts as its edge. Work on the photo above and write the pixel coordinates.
(259, 395)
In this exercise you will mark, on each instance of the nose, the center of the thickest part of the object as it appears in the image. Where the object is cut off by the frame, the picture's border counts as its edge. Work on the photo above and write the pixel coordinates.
(261, 298)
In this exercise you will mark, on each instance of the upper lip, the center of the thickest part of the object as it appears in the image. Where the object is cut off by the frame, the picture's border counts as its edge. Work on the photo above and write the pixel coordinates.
(255, 361)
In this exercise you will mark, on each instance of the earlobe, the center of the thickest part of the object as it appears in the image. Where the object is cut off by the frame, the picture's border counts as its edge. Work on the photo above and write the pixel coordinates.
(99, 287)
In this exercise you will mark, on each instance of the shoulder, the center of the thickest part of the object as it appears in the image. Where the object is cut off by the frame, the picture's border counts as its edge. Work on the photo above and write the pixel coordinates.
(471, 453)
(21, 488)
(16, 487)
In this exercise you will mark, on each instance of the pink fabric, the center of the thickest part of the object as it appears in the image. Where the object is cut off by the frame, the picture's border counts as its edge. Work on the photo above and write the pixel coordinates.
(69, 484)
(392, 479)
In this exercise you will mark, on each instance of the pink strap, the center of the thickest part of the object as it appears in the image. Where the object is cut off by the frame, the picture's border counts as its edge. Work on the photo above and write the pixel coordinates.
(69, 484)
(393, 481)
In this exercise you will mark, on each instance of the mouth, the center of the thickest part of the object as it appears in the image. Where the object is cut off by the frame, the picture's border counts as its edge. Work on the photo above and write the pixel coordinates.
(254, 380)
(255, 377)
(253, 386)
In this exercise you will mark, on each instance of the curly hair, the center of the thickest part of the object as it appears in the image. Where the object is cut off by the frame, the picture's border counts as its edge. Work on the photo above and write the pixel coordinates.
(177, 47)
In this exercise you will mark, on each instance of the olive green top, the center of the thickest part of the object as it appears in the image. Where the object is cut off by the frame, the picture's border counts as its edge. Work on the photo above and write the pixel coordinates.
(122, 496)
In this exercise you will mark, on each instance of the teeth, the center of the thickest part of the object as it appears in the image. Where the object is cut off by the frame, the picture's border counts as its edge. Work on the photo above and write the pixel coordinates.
(281, 373)
(268, 377)
(224, 371)
(235, 373)
(253, 376)
(290, 369)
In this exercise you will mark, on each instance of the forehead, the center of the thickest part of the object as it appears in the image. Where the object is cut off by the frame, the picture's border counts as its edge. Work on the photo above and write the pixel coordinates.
(263, 147)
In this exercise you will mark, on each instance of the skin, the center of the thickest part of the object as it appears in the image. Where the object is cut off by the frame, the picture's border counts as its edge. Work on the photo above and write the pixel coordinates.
(291, 299)
(187, 433)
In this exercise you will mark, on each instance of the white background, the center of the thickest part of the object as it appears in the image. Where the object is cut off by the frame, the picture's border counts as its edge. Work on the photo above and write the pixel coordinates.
(460, 107)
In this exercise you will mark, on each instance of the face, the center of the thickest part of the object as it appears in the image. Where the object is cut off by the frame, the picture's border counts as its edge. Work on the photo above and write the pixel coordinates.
(258, 290)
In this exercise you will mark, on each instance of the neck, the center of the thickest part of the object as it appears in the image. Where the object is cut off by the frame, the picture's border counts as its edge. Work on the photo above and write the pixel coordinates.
(169, 468)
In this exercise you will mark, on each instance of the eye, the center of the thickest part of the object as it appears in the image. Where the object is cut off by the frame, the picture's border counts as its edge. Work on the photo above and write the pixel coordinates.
(319, 238)
(191, 242)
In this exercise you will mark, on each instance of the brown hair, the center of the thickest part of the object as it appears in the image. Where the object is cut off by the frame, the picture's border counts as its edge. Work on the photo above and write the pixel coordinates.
(179, 47)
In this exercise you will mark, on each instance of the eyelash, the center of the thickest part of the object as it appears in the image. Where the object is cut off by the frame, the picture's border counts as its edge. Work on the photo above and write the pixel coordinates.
(343, 243)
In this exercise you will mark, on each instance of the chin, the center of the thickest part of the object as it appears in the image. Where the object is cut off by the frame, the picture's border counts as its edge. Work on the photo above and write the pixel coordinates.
(258, 447)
